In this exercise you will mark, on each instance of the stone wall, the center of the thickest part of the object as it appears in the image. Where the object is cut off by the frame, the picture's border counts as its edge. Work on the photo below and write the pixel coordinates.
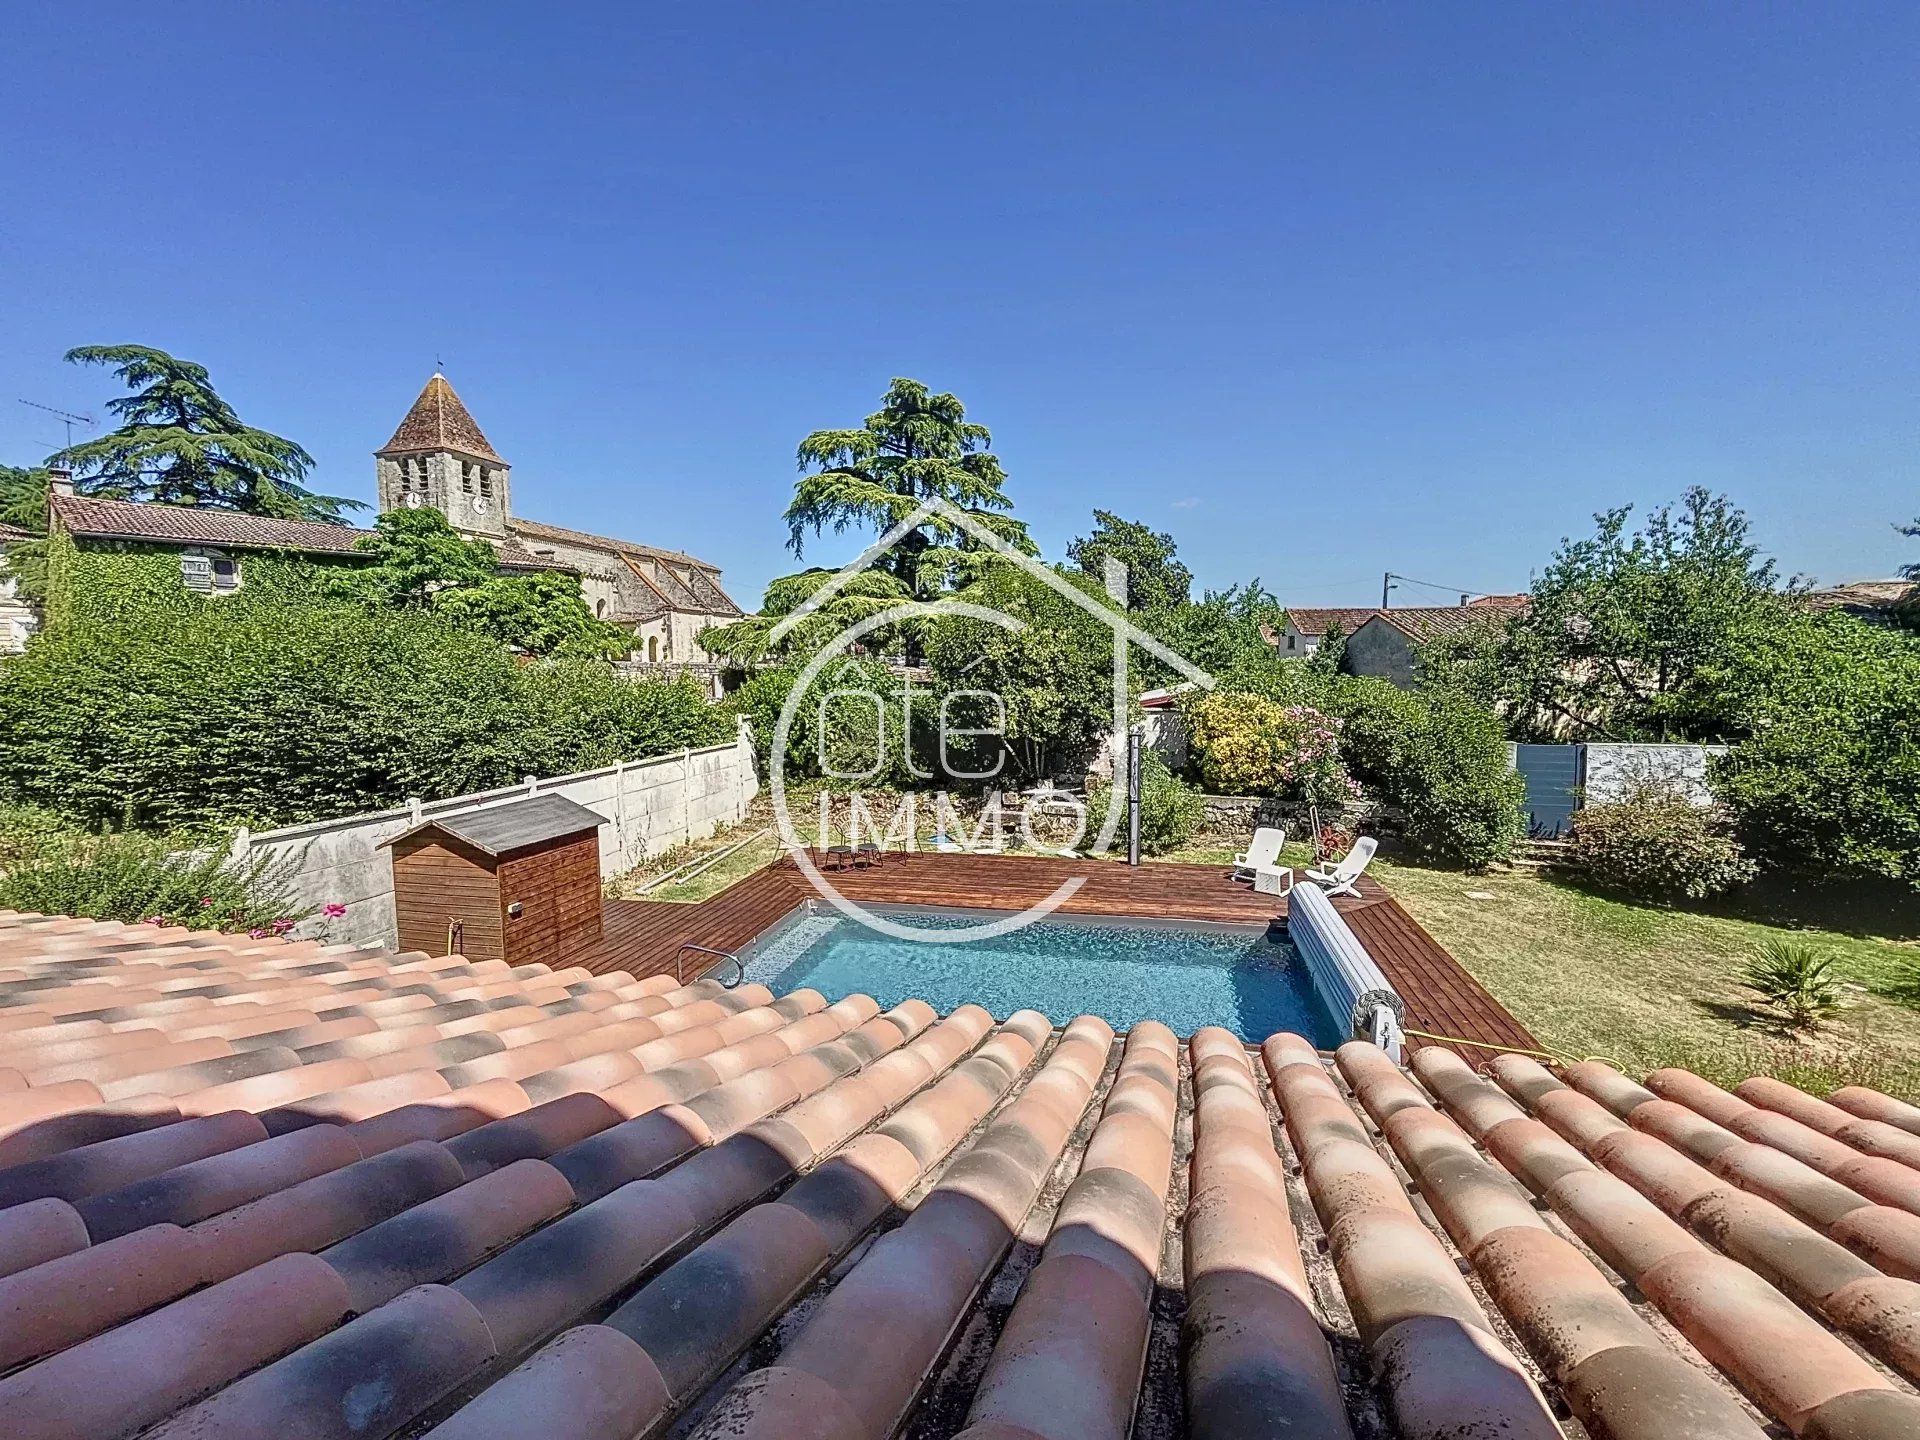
(651, 806)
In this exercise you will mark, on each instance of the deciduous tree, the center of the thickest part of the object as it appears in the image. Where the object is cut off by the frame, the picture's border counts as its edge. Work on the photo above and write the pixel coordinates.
(1155, 580)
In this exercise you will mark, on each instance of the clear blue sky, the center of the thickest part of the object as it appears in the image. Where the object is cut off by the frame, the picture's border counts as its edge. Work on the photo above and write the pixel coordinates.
(1324, 290)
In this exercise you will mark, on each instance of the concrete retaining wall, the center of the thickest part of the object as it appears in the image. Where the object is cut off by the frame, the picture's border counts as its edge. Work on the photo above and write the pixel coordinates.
(651, 806)
(1614, 771)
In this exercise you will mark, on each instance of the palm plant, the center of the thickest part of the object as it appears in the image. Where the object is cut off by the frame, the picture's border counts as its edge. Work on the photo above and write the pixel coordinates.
(1794, 976)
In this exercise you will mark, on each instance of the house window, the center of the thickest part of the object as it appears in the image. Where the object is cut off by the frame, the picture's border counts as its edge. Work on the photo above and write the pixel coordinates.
(653, 647)
(1292, 641)
(209, 574)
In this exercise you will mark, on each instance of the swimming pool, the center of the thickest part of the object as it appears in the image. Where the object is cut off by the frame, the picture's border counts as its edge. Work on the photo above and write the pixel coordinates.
(1186, 975)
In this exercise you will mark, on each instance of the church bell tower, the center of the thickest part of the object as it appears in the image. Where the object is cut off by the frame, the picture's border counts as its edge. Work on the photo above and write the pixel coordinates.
(440, 459)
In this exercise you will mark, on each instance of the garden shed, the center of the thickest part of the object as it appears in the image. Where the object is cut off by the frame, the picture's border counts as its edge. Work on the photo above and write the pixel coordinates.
(517, 882)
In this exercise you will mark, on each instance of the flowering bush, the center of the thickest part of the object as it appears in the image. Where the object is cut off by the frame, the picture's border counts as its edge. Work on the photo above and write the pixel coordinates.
(145, 879)
(1170, 810)
(1656, 844)
(1248, 745)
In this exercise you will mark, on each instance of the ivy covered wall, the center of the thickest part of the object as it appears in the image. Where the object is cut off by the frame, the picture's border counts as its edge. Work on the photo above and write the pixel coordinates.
(122, 582)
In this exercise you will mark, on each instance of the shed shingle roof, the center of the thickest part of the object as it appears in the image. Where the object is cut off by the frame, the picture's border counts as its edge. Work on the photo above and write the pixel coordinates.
(438, 421)
(502, 829)
(252, 1188)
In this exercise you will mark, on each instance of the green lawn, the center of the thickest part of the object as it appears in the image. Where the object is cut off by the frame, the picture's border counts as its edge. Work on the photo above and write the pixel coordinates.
(1590, 975)
(1646, 987)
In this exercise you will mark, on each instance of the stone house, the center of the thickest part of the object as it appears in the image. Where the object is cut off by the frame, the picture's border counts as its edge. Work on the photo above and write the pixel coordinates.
(1387, 644)
(1306, 627)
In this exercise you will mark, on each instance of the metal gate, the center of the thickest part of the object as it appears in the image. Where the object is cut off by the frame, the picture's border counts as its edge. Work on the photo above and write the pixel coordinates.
(1552, 773)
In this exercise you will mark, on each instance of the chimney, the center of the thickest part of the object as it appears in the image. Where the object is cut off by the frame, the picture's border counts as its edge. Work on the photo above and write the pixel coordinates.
(60, 480)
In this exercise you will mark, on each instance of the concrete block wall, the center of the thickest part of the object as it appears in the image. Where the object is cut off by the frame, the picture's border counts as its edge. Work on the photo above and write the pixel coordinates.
(650, 806)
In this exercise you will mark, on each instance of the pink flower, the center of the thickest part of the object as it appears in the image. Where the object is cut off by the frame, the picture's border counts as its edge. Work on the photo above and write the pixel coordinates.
(334, 912)
(206, 902)
(154, 920)
(256, 934)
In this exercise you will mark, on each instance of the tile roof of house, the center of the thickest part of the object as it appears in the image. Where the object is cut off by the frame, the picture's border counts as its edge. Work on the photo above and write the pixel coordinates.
(14, 532)
(1864, 597)
(1428, 622)
(252, 1188)
(438, 421)
(501, 829)
(232, 530)
(1315, 621)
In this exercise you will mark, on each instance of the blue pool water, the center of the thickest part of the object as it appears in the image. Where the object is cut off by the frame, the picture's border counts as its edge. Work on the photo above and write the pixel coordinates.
(1188, 977)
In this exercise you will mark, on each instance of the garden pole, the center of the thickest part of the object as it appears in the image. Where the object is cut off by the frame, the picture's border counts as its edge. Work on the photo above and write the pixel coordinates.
(1134, 736)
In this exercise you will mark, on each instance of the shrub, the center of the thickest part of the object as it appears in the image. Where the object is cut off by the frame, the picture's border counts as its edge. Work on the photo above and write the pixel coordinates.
(1829, 778)
(253, 710)
(1794, 976)
(1248, 745)
(1658, 845)
(1170, 810)
(836, 721)
(1438, 758)
(134, 878)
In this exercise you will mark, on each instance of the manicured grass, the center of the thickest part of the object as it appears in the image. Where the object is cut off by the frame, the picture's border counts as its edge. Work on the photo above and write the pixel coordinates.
(1646, 987)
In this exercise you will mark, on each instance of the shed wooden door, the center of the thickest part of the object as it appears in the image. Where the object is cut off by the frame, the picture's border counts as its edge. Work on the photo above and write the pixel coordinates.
(557, 888)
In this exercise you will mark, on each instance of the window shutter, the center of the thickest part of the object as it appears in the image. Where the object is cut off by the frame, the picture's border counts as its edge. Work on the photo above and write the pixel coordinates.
(197, 573)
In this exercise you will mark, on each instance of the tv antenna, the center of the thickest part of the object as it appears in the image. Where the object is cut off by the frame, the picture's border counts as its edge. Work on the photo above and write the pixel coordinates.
(67, 417)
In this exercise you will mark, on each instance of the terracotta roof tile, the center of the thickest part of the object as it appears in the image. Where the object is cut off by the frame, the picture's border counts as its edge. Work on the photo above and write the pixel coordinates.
(1309, 620)
(595, 1246)
(232, 530)
(438, 421)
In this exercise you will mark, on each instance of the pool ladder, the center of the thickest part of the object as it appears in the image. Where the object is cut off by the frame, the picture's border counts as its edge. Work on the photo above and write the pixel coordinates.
(679, 965)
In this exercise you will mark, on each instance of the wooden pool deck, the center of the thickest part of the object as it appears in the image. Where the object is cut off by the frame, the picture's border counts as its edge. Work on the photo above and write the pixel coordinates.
(643, 937)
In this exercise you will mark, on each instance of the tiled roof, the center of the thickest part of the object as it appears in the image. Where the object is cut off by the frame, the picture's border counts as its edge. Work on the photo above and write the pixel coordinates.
(198, 525)
(254, 1188)
(1317, 622)
(438, 421)
(14, 532)
(681, 581)
(1428, 622)
(232, 530)
(1864, 597)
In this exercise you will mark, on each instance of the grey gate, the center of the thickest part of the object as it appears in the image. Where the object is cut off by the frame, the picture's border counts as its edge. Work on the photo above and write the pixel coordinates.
(1552, 774)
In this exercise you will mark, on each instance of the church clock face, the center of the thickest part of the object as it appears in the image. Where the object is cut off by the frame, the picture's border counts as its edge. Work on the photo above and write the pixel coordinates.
(481, 504)
(412, 502)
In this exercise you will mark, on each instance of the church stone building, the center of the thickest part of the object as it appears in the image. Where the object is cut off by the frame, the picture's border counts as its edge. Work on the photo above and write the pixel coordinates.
(438, 459)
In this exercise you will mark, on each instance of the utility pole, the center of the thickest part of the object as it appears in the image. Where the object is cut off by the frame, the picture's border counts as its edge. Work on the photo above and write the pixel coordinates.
(1386, 590)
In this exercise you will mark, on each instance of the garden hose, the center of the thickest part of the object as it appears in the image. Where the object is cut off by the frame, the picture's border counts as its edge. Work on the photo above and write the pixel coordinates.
(1556, 1056)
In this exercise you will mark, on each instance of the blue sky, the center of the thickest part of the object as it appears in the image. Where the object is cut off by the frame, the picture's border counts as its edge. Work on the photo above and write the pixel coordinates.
(1324, 290)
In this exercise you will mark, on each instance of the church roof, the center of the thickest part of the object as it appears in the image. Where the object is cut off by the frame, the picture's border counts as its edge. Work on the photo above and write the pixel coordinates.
(681, 581)
(438, 421)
